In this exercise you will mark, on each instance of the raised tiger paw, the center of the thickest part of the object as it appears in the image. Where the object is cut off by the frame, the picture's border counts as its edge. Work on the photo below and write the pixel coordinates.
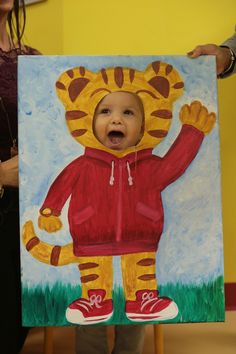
(198, 116)
(49, 223)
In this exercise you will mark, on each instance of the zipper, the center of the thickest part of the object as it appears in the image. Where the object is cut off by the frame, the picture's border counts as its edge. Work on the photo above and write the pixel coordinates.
(119, 205)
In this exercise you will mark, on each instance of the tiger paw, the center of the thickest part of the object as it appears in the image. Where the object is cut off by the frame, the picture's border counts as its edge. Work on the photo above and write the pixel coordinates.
(198, 116)
(49, 223)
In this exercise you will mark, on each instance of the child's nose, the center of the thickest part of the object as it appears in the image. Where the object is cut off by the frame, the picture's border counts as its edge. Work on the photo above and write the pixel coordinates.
(116, 119)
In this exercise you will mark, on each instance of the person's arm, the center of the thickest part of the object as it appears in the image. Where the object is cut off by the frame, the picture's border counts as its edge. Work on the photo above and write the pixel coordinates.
(231, 44)
(225, 55)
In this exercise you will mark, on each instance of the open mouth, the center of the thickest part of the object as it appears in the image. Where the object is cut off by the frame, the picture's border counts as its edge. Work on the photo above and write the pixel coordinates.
(115, 137)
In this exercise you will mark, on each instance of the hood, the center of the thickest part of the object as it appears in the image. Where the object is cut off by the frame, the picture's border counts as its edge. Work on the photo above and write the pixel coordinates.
(108, 158)
(113, 161)
(80, 91)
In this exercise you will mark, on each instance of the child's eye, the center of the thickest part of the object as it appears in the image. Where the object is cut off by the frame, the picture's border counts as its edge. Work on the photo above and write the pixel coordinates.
(128, 112)
(105, 111)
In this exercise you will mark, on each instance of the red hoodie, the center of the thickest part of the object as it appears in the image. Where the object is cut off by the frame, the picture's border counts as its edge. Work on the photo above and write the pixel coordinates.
(116, 205)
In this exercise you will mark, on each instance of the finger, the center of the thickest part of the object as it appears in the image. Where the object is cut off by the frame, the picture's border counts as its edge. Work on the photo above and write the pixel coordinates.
(209, 123)
(40, 223)
(207, 49)
(51, 228)
(55, 225)
(195, 52)
(184, 112)
(195, 108)
(202, 116)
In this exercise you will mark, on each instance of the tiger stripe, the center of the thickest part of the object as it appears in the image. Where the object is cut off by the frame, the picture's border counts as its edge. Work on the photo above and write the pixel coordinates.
(99, 90)
(104, 75)
(78, 132)
(88, 265)
(76, 86)
(146, 277)
(162, 113)
(60, 85)
(179, 85)
(131, 75)
(158, 133)
(76, 114)
(148, 92)
(82, 70)
(55, 255)
(161, 85)
(32, 243)
(156, 66)
(70, 73)
(88, 278)
(146, 262)
(119, 76)
(169, 68)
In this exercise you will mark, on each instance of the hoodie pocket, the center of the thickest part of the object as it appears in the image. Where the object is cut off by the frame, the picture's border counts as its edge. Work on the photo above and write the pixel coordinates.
(81, 216)
(150, 213)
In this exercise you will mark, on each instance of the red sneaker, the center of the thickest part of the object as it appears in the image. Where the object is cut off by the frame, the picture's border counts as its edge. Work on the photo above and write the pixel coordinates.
(148, 306)
(92, 310)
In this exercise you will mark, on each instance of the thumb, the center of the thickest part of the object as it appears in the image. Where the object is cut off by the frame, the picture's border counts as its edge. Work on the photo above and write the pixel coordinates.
(196, 52)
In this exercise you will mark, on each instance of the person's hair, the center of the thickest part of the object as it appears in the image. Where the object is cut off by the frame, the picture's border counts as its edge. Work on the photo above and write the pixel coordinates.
(16, 22)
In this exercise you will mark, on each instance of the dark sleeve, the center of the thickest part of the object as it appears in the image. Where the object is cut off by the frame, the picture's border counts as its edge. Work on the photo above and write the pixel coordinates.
(230, 43)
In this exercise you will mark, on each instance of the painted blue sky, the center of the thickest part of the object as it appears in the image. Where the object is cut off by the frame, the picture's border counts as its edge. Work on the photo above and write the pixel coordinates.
(190, 250)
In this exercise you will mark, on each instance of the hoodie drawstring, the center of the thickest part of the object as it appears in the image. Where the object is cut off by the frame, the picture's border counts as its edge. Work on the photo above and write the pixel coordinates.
(112, 178)
(130, 179)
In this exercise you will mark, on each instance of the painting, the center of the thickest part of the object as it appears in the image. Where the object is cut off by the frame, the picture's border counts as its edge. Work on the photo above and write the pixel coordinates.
(120, 201)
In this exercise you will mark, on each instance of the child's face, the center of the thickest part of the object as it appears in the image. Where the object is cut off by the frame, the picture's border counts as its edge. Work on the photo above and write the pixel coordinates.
(118, 120)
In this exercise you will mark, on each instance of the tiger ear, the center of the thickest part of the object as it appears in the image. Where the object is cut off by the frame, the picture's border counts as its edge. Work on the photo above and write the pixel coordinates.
(71, 83)
(164, 79)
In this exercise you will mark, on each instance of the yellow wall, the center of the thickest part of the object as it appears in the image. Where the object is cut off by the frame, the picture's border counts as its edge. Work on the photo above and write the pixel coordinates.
(44, 26)
(149, 27)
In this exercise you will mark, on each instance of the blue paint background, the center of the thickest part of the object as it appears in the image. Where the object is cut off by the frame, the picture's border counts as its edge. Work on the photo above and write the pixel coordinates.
(190, 250)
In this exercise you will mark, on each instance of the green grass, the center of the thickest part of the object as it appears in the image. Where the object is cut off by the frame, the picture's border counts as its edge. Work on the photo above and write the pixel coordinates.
(46, 306)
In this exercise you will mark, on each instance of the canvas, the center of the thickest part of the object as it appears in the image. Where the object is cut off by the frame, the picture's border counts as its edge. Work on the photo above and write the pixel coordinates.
(117, 230)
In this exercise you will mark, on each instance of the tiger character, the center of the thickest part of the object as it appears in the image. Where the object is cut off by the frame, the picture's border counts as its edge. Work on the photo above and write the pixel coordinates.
(115, 193)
